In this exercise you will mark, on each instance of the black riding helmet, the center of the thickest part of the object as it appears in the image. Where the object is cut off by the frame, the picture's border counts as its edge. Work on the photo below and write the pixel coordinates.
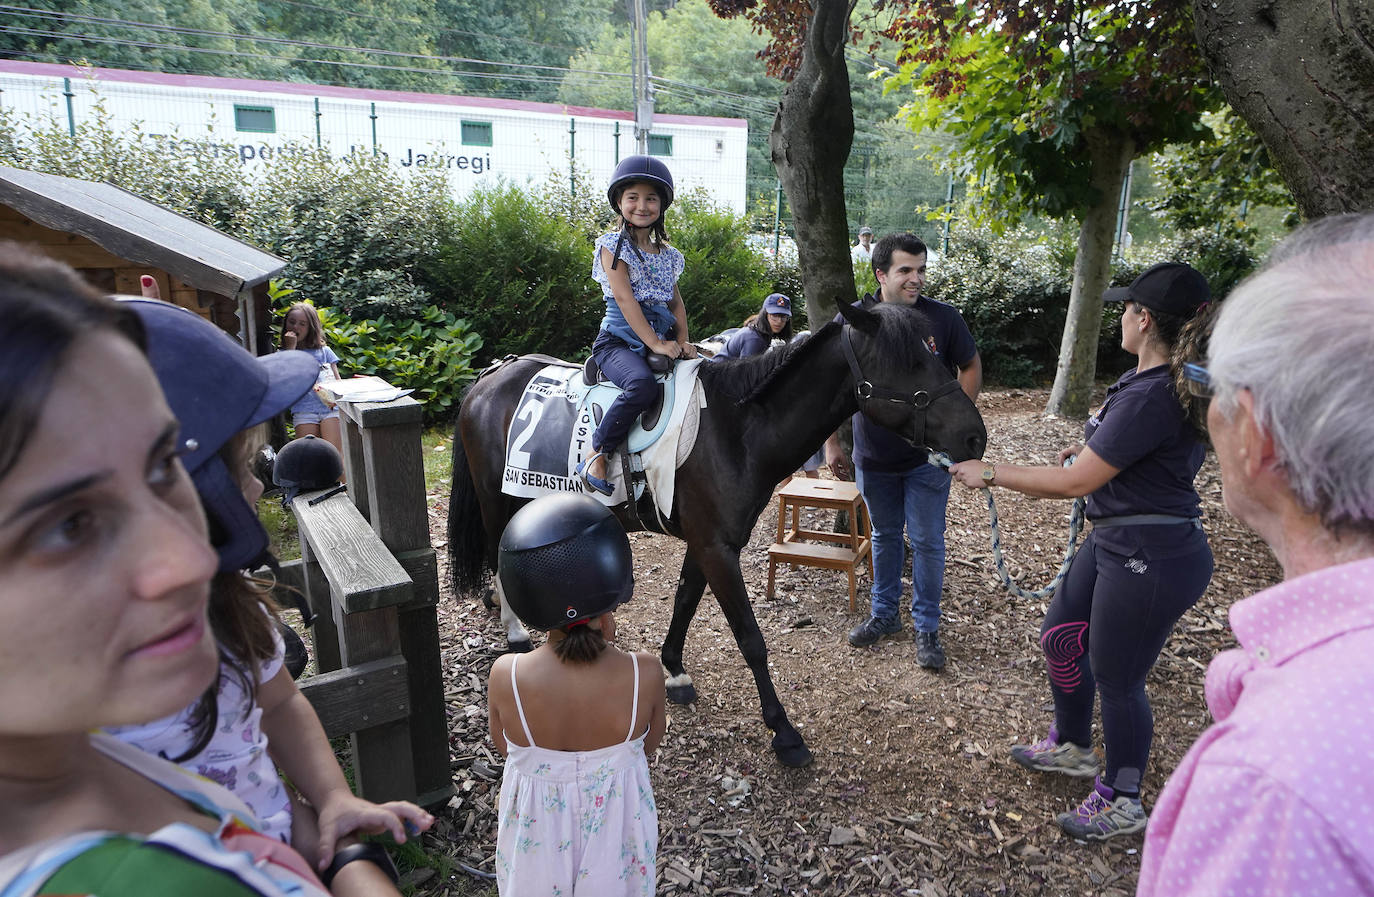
(641, 168)
(564, 559)
(305, 464)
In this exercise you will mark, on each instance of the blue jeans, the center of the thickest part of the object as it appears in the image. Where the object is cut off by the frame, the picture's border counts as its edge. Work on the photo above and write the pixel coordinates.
(627, 369)
(915, 499)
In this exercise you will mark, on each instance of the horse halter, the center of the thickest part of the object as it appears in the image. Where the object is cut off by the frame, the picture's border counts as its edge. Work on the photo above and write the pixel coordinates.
(920, 401)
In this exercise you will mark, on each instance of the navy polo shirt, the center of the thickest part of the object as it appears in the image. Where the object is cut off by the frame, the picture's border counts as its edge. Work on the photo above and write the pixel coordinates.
(1142, 430)
(744, 343)
(877, 448)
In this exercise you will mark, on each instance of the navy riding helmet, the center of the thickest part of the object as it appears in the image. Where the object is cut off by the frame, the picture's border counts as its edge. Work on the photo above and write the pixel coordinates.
(563, 559)
(641, 168)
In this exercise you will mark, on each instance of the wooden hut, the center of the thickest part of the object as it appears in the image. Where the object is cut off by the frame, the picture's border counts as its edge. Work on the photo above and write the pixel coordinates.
(113, 237)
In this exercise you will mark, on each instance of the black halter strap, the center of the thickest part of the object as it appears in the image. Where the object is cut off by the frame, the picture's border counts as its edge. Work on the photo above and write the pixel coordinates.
(920, 401)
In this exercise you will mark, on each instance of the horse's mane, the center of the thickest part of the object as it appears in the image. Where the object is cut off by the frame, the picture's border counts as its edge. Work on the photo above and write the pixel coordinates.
(747, 379)
(900, 340)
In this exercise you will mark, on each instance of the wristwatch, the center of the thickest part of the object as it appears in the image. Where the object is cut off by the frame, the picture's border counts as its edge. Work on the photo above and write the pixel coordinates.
(989, 474)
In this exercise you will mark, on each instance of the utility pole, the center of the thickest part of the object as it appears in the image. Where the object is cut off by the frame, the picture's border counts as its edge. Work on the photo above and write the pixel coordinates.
(644, 93)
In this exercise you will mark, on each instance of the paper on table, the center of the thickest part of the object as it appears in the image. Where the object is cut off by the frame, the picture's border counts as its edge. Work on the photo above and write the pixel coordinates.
(360, 389)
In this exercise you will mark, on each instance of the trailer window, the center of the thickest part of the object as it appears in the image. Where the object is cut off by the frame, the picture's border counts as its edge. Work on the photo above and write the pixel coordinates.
(476, 133)
(259, 119)
(660, 145)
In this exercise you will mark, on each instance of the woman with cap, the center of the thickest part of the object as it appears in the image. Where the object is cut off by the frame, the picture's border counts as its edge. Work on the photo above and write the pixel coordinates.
(576, 716)
(638, 272)
(254, 718)
(1145, 562)
(774, 321)
(105, 580)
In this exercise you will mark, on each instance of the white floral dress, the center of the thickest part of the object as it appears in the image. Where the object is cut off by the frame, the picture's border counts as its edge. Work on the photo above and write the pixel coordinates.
(577, 822)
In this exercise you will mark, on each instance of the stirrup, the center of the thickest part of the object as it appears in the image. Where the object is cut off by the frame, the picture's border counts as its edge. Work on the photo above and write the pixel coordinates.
(596, 483)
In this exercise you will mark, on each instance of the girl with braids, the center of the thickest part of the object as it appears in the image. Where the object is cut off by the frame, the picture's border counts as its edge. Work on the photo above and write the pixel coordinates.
(1145, 562)
(575, 717)
(638, 272)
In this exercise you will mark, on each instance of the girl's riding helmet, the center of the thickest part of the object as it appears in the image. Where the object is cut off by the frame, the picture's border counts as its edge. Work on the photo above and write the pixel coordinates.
(304, 464)
(564, 559)
(641, 168)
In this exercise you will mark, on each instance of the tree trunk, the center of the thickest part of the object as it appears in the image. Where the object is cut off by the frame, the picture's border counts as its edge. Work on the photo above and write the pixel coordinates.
(1111, 154)
(1302, 75)
(811, 136)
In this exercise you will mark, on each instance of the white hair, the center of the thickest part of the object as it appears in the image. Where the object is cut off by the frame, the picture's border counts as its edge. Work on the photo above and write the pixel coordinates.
(1299, 335)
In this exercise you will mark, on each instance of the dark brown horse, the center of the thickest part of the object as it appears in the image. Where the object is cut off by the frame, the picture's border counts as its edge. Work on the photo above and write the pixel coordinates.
(765, 415)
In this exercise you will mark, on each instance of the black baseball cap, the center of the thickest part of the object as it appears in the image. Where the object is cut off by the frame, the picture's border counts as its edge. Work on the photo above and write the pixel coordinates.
(1171, 287)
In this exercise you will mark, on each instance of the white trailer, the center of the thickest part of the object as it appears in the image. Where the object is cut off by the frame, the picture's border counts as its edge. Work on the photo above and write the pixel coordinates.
(475, 140)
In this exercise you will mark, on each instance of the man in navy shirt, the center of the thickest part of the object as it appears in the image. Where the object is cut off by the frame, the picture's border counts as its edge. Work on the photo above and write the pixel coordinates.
(898, 486)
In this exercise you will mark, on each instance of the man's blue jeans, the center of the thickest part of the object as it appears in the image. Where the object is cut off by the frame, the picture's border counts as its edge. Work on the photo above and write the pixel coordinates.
(915, 499)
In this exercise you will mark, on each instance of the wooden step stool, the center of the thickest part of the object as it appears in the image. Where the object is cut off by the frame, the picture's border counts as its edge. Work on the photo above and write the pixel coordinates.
(842, 551)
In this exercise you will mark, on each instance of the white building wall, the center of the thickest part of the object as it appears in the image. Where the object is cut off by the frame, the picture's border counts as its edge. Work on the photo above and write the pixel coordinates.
(529, 141)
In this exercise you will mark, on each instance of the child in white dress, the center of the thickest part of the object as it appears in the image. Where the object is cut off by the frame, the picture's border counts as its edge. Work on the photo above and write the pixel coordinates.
(577, 716)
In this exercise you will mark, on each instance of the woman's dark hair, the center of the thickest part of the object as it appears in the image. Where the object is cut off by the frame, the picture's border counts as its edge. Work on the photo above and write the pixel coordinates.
(45, 307)
(1185, 340)
(242, 618)
(759, 322)
(580, 644)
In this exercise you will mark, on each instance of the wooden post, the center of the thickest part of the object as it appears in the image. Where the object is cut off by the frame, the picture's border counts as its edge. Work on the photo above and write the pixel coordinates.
(389, 489)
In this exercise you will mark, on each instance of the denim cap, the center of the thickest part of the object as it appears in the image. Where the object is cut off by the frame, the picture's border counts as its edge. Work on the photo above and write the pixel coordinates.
(777, 304)
(216, 389)
(865, 230)
(1170, 287)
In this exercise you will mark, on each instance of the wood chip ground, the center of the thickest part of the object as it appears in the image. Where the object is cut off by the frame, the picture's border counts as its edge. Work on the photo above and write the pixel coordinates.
(912, 791)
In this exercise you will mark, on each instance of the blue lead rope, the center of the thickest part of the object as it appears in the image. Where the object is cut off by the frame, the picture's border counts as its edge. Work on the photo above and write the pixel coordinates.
(941, 460)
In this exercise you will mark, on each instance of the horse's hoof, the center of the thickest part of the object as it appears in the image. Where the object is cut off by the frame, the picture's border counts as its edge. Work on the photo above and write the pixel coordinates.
(487, 600)
(795, 756)
(682, 694)
(520, 647)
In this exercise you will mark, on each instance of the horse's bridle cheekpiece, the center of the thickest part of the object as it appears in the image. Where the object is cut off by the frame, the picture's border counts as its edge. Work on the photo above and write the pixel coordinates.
(920, 400)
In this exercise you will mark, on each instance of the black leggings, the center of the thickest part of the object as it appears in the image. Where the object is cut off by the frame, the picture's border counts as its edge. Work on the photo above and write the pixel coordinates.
(1103, 632)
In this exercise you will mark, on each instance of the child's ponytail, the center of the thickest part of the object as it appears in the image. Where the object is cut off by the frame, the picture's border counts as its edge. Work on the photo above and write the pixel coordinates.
(580, 644)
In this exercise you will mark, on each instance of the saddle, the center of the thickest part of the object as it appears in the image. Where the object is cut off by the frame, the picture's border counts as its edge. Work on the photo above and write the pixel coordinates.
(551, 429)
(592, 375)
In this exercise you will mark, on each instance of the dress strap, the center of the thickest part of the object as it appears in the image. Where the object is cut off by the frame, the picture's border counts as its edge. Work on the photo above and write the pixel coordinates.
(634, 699)
(519, 708)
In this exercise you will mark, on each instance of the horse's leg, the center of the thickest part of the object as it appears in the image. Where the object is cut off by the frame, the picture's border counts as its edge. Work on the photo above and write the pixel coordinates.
(721, 566)
(690, 586)
(517, 637)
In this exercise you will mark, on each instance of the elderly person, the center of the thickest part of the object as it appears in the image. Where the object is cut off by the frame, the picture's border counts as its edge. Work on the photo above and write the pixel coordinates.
(1277, 797)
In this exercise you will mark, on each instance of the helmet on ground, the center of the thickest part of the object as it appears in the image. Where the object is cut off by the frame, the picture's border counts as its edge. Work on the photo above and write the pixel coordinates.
(216, 389)
(306, 464)
(641, 168)
(564, 559)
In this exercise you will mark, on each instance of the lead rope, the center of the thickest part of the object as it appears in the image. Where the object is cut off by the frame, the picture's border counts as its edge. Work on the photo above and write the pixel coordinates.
(941, 460)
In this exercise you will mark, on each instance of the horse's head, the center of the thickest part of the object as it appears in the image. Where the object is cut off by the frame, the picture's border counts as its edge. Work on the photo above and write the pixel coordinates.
(903, 386)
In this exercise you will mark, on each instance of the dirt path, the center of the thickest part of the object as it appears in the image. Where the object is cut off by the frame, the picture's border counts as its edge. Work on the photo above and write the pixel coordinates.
(912, 791)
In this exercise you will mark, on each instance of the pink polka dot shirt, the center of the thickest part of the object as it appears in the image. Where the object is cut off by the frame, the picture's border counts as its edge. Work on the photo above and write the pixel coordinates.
(1277, 797)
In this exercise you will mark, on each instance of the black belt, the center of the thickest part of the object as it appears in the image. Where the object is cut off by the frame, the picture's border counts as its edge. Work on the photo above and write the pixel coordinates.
(1146, 520)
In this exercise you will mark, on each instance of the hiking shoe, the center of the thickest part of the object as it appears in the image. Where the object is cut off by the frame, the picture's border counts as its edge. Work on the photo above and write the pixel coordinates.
(1051, 755)
(1104, 815)
(929, 652)
(869, 631)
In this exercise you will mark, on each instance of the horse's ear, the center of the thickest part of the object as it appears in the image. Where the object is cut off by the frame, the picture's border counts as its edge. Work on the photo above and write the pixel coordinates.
(860, 318)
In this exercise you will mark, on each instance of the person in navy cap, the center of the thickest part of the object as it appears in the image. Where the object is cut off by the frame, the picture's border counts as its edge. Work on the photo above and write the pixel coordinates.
(774, 321)
(1145, 562)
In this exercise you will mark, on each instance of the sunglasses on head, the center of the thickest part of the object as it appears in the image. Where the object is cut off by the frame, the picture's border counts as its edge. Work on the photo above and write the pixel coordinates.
(1198, 380)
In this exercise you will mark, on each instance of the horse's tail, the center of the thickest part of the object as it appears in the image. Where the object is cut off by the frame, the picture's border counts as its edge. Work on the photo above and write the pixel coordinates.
(467, 537)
